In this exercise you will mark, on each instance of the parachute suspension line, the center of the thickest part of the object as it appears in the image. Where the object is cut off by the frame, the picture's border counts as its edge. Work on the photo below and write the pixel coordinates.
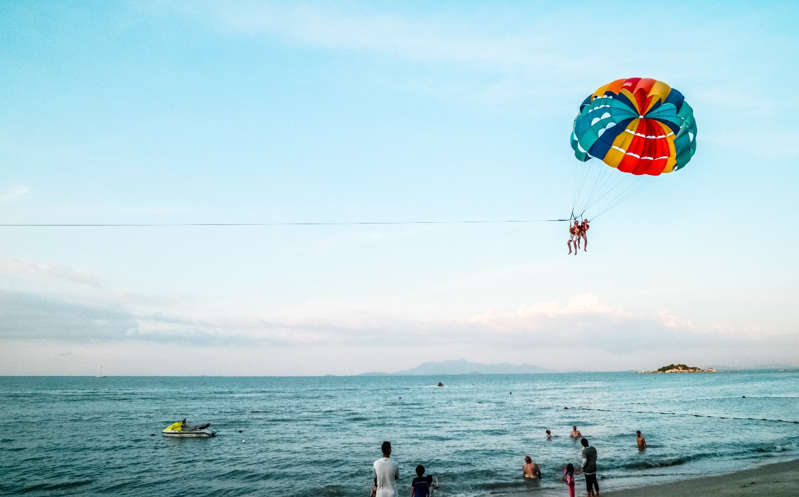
(615, 197)
(575, 185)
(598, 176)
(607, 176)
(580, 179)
(614, 178)
(591, 174)
(613, 187)
(598, 181)
(586, 172)
(620, 197)
(603, 177)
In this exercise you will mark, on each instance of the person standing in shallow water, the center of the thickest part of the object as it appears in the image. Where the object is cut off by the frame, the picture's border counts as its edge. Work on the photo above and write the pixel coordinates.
(420, 487)
(575, 434)
(589, 468)
(640, 440)
(530, 469)
(386, 474)
(568, 478)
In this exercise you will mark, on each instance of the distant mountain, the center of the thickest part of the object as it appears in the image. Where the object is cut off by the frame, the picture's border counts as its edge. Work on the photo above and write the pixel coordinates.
(461, 366)
(759, 367)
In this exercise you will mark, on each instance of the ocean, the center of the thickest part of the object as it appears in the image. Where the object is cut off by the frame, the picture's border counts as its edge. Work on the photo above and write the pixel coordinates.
(319, 436)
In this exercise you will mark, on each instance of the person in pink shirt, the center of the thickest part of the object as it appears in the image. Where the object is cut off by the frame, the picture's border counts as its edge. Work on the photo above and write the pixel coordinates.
(568, 478)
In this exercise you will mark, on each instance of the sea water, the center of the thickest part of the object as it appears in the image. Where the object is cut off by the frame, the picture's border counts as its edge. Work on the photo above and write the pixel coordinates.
(319, 436)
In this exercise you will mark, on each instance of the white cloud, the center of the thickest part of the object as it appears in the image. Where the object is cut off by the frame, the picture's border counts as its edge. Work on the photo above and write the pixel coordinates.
(582, 317)
(558, 335)
(508, 65)
(17, 267)
(670, 320)
(388, 34)
(34, 317)
(14, 193)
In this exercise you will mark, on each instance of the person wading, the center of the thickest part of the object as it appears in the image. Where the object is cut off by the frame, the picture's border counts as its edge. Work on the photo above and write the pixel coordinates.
(386, 473)
(589, 469)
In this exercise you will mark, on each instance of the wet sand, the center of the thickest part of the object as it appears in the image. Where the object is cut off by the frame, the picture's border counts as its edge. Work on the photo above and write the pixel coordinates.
(773, 480)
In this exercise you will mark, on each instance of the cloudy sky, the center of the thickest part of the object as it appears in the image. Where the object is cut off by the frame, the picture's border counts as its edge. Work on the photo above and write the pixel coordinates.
(256, 112)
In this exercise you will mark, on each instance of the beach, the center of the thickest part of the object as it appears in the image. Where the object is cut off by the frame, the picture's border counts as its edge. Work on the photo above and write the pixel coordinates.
(773, 480)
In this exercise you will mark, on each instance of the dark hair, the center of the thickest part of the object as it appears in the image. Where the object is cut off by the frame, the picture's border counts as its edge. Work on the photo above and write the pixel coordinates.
(584, 441)
(527, 459)
(386, 448)
(570, 468)
(637, 432)
(419, 470)
(548, 431)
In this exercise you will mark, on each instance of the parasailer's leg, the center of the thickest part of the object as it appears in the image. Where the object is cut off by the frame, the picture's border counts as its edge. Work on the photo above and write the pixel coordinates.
(585, 243)
(569, 243)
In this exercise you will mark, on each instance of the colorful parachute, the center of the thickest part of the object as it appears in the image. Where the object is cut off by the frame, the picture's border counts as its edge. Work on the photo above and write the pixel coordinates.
(637, 125)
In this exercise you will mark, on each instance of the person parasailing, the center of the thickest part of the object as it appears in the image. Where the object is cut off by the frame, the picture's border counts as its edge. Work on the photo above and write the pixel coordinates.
(584, 234)
(574, 236)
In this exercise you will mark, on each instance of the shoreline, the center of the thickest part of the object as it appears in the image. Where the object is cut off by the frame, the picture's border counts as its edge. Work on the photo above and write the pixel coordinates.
(775, 480)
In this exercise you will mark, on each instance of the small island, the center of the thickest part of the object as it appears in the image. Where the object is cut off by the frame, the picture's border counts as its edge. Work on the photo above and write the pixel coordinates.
(680, 368)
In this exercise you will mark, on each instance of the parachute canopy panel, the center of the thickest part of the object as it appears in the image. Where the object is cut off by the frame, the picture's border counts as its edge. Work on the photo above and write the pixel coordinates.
(636, 125)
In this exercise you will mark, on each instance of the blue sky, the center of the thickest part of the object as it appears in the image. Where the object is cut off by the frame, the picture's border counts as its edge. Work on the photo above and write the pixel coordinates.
(159, 112)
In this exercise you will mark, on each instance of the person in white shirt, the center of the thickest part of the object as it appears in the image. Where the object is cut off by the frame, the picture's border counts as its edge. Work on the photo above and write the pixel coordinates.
(386, 473)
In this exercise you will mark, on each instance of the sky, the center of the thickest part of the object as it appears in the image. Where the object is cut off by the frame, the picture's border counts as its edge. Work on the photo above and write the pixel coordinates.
(155, 112)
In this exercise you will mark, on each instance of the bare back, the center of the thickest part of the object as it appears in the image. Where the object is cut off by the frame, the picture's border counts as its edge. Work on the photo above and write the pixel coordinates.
(531, 471)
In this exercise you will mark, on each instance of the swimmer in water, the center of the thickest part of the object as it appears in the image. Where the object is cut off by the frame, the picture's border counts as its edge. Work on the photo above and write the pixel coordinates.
(549, 435)
(640, 440)
(530, 469)
(575, 434)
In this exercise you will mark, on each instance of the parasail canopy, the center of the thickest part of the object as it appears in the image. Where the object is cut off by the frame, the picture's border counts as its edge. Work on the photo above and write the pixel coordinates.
(636, 125)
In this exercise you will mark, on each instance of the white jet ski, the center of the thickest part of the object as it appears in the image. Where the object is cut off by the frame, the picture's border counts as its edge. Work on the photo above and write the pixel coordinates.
(433, 484)
(182, 429)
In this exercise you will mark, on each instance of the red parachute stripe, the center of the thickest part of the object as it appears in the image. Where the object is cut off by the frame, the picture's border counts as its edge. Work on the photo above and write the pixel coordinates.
(641, 92)
(630, 162)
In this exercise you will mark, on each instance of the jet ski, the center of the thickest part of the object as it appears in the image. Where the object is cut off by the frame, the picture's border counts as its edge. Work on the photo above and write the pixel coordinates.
(182, 429)
(433, 484)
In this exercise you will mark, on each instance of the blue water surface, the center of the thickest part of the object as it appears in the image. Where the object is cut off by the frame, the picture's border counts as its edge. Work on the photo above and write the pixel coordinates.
(319, 436)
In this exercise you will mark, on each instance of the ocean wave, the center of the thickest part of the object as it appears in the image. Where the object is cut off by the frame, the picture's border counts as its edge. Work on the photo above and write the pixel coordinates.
(50, 487)
(243, 475)
(667, 461)
(662, 463)
(331, 491)
(772, 449)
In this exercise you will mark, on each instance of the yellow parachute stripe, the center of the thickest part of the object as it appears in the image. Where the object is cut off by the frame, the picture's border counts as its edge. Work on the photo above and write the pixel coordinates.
(627, 93)
(614, 87)
(658, 93)
(614, 155)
